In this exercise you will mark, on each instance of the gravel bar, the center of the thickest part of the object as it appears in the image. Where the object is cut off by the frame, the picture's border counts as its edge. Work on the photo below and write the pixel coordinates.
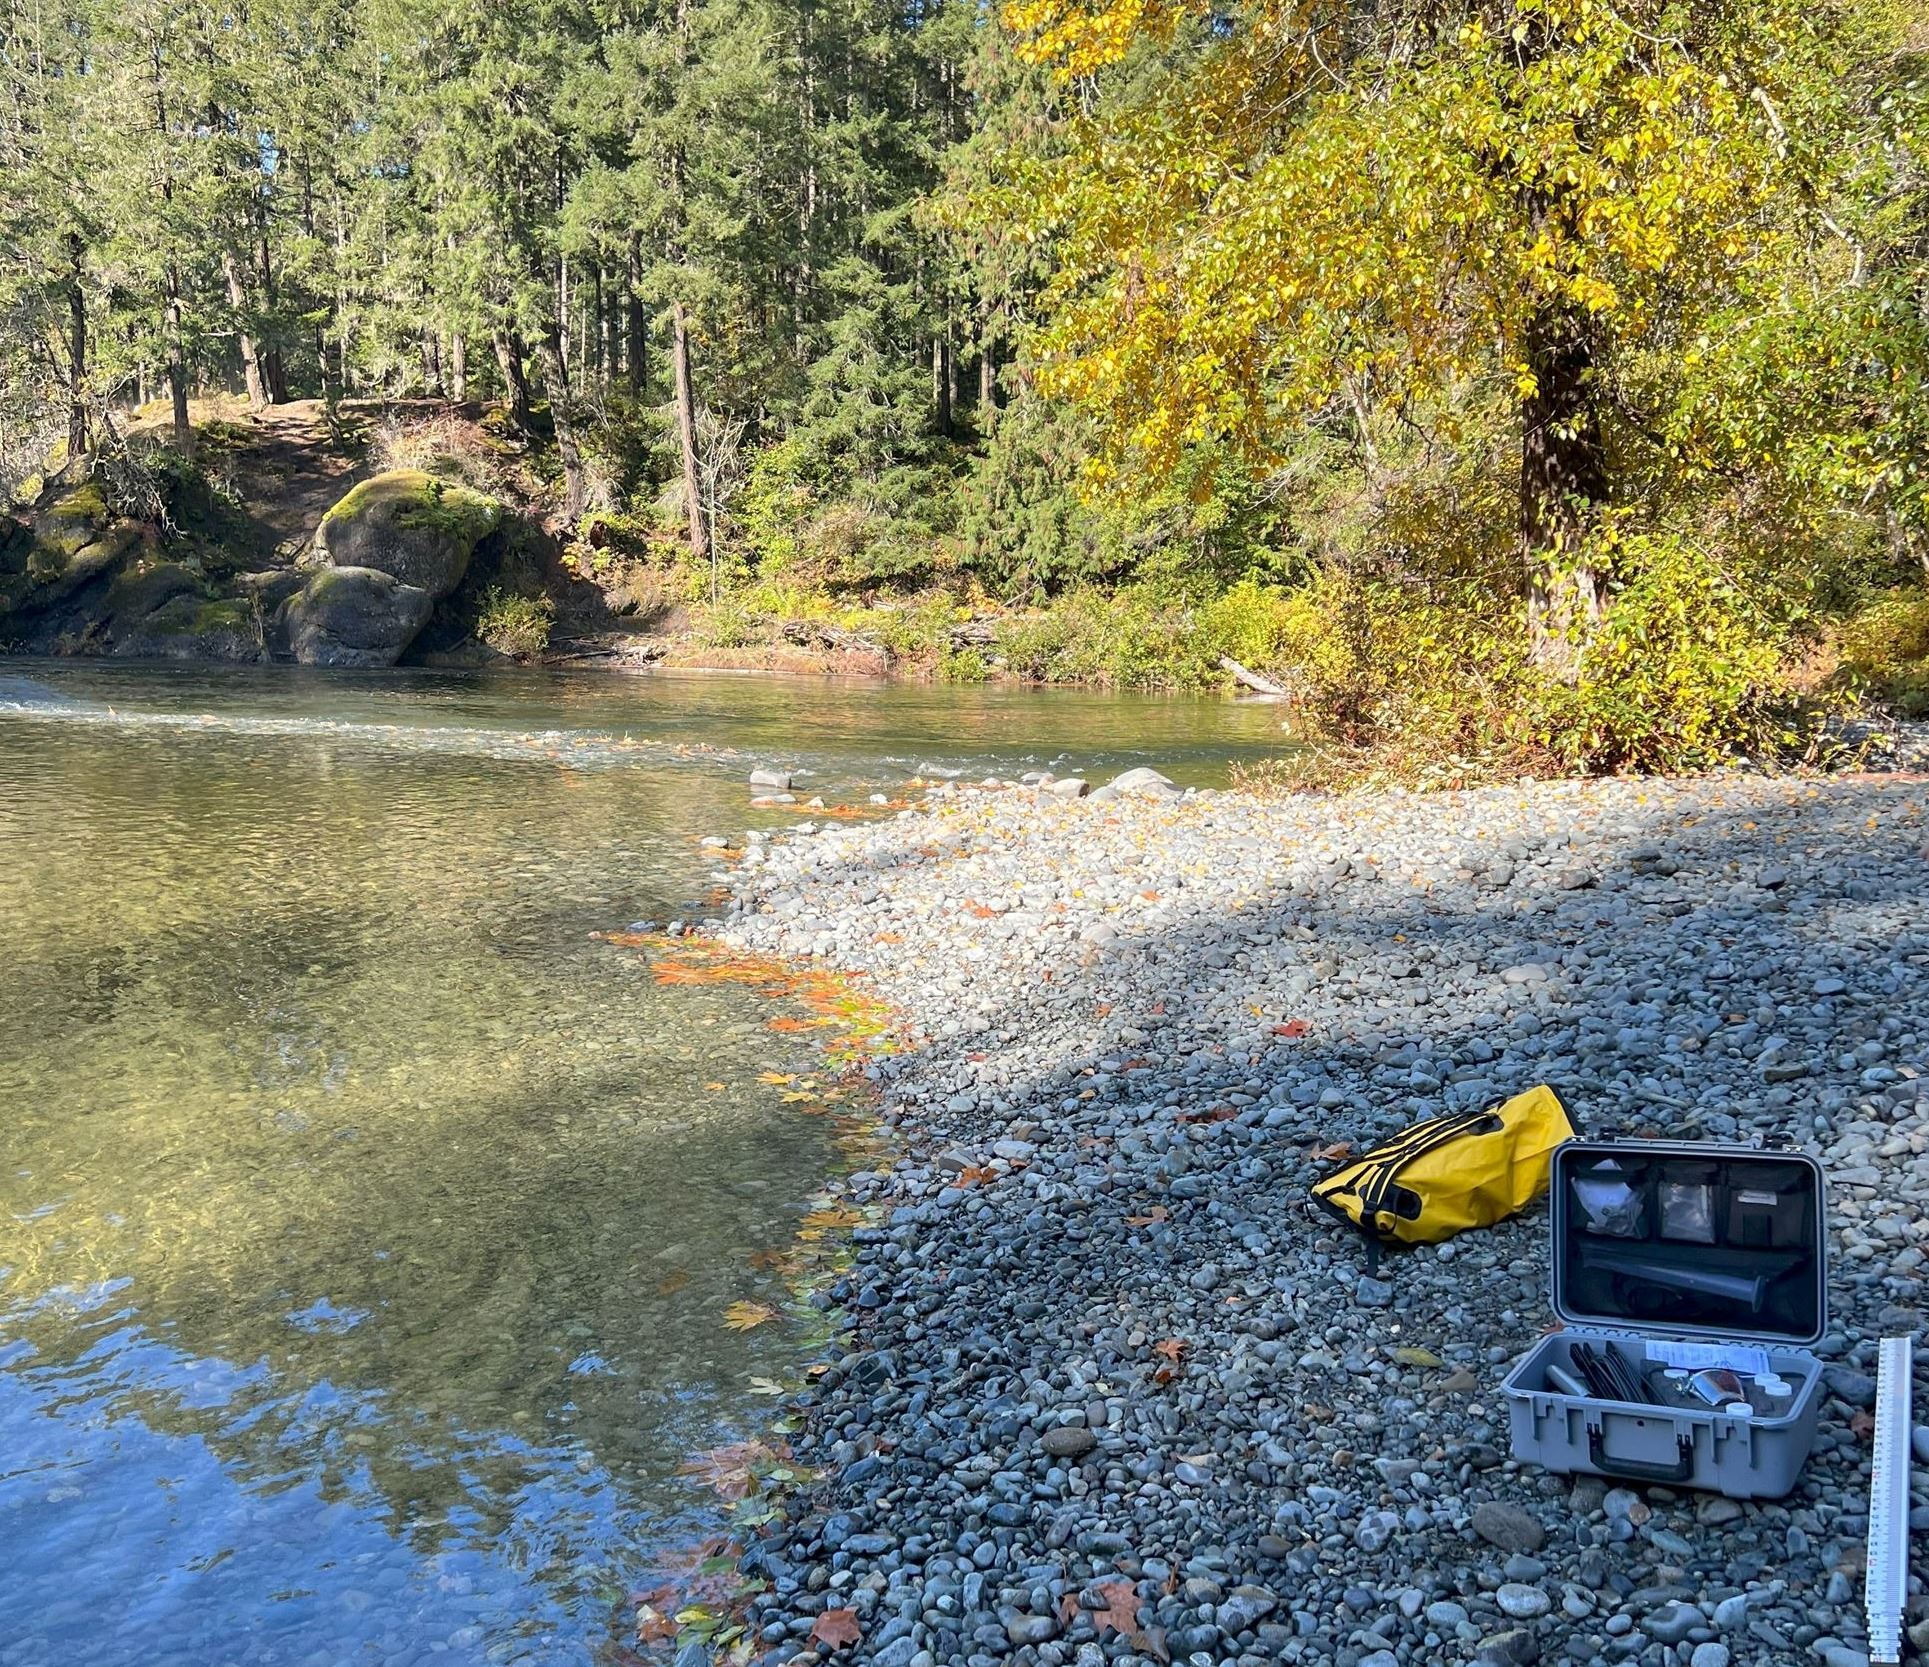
(1110, 1388)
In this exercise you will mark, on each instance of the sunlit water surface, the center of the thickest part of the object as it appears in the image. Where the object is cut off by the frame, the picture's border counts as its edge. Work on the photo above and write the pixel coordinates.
(365, 1226)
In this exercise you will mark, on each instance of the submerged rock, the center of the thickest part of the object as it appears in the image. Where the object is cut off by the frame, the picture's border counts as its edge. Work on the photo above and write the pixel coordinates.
(420, 530)
(353, 616)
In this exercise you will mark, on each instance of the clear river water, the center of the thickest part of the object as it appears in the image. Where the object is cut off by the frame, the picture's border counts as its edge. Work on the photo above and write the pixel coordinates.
(366, 1227)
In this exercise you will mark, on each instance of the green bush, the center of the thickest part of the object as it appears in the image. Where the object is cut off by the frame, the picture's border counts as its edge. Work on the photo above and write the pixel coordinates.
(1683, 673)
(515, 624)
(1883, 650)
(1138, 637)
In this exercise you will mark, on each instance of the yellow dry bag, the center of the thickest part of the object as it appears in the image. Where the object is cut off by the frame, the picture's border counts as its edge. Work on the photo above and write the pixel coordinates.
(1469, 1169)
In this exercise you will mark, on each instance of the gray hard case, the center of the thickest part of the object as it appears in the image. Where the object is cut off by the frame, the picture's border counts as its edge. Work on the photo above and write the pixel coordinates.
(1623, 1278)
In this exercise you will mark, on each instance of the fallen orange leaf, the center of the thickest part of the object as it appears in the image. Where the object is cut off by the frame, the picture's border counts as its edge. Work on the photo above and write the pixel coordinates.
(1292, 1027)
(837, 1628)
(1172, 1348)
(1121, 1611)
(1158, 1212)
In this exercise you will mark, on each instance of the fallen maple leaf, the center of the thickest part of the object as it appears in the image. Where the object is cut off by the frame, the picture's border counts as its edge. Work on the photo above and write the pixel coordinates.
(776, 1259)
(837, 1628)
(1338, 1152)
(1292, 1027)
(1150, 1641)
(1158, 1212)
(747, 1316)
(1172, 1348)
(731, 1470)
(652, 1626)
(1121, 1611)
(713, 1087)
(776, 1079)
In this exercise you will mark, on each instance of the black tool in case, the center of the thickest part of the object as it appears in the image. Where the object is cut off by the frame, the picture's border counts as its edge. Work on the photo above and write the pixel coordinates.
(1692, 1281)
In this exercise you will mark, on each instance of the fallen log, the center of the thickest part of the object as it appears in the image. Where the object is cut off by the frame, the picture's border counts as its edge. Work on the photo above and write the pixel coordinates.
(1251, 679)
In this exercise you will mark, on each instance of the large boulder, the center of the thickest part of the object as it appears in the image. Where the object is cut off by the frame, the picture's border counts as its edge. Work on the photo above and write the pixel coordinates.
(353, 616)
(72, 539)
(409, 524)
(194, 627)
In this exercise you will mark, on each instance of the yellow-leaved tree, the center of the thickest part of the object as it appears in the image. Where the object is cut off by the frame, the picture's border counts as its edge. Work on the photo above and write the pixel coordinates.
(1660, 228)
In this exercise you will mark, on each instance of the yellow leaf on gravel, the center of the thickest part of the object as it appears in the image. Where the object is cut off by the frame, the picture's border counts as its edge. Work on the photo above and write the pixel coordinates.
(747, 1316)
(776, 1078)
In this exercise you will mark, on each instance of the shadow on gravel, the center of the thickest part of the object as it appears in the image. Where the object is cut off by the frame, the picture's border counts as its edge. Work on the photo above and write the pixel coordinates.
(1154, 1270)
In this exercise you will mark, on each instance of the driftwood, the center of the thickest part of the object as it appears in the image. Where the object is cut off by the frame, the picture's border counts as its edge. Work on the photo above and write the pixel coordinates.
(1252, 680)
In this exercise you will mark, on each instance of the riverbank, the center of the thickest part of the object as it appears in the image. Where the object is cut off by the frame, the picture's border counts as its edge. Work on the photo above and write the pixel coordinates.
(1112, 1388)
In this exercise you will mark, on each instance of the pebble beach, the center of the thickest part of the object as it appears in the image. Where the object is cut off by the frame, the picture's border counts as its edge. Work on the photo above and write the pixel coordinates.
(1109, 1387)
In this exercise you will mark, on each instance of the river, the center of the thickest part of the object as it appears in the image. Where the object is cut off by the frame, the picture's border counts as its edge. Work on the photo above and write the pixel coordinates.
(365, 1225)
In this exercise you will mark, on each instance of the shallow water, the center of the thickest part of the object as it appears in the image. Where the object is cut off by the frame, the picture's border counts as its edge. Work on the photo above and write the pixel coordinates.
(365, 1227)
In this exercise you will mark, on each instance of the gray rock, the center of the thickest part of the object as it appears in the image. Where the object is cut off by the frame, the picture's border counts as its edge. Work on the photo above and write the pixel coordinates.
(418, 529)
(1672, 1622)
(1143, 782)
(353, 617)
(1068, 1441)
(1522, 1603)
(777, 780)
(1517, 1647)
(1508, 1527)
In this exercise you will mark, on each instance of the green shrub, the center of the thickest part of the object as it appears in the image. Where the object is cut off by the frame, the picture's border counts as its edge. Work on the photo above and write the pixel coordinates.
(963, 665)
(1683, 673)
(515, 624)
(1883, 649)
(1139, 637)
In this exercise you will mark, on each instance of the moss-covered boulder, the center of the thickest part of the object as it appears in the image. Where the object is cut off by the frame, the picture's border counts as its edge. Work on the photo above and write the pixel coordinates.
(410, 525)
(352, 616)
(194, 627)
(142, 589)
(71, 539)
(68, 519)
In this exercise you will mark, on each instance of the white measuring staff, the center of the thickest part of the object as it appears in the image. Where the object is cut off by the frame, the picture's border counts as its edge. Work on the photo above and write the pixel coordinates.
(1887, 1580)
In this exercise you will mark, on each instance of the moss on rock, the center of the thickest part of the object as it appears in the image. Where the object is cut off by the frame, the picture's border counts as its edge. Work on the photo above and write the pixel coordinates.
(409, 524)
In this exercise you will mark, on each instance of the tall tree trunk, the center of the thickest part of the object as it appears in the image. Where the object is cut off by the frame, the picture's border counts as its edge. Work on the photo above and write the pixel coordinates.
(458, 368)
(636, 353)
(274, 366)
(171, 320)
(941, 383)
(1562, 480)
(686, 427)
(515, 381)
(177, 361)
(562, 415)
(78, 432)
(432, 361)
(250, 354)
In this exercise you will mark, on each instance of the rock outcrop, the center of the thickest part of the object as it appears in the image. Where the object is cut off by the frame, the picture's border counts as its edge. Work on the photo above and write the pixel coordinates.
(77, 578)
(409, 524)
(352, 617)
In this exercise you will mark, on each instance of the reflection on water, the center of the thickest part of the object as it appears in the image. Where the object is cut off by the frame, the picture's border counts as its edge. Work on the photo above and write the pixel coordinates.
(364, 1227)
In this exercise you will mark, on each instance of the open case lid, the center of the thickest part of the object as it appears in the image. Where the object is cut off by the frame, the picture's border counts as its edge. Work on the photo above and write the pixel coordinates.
(1686, 1239)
